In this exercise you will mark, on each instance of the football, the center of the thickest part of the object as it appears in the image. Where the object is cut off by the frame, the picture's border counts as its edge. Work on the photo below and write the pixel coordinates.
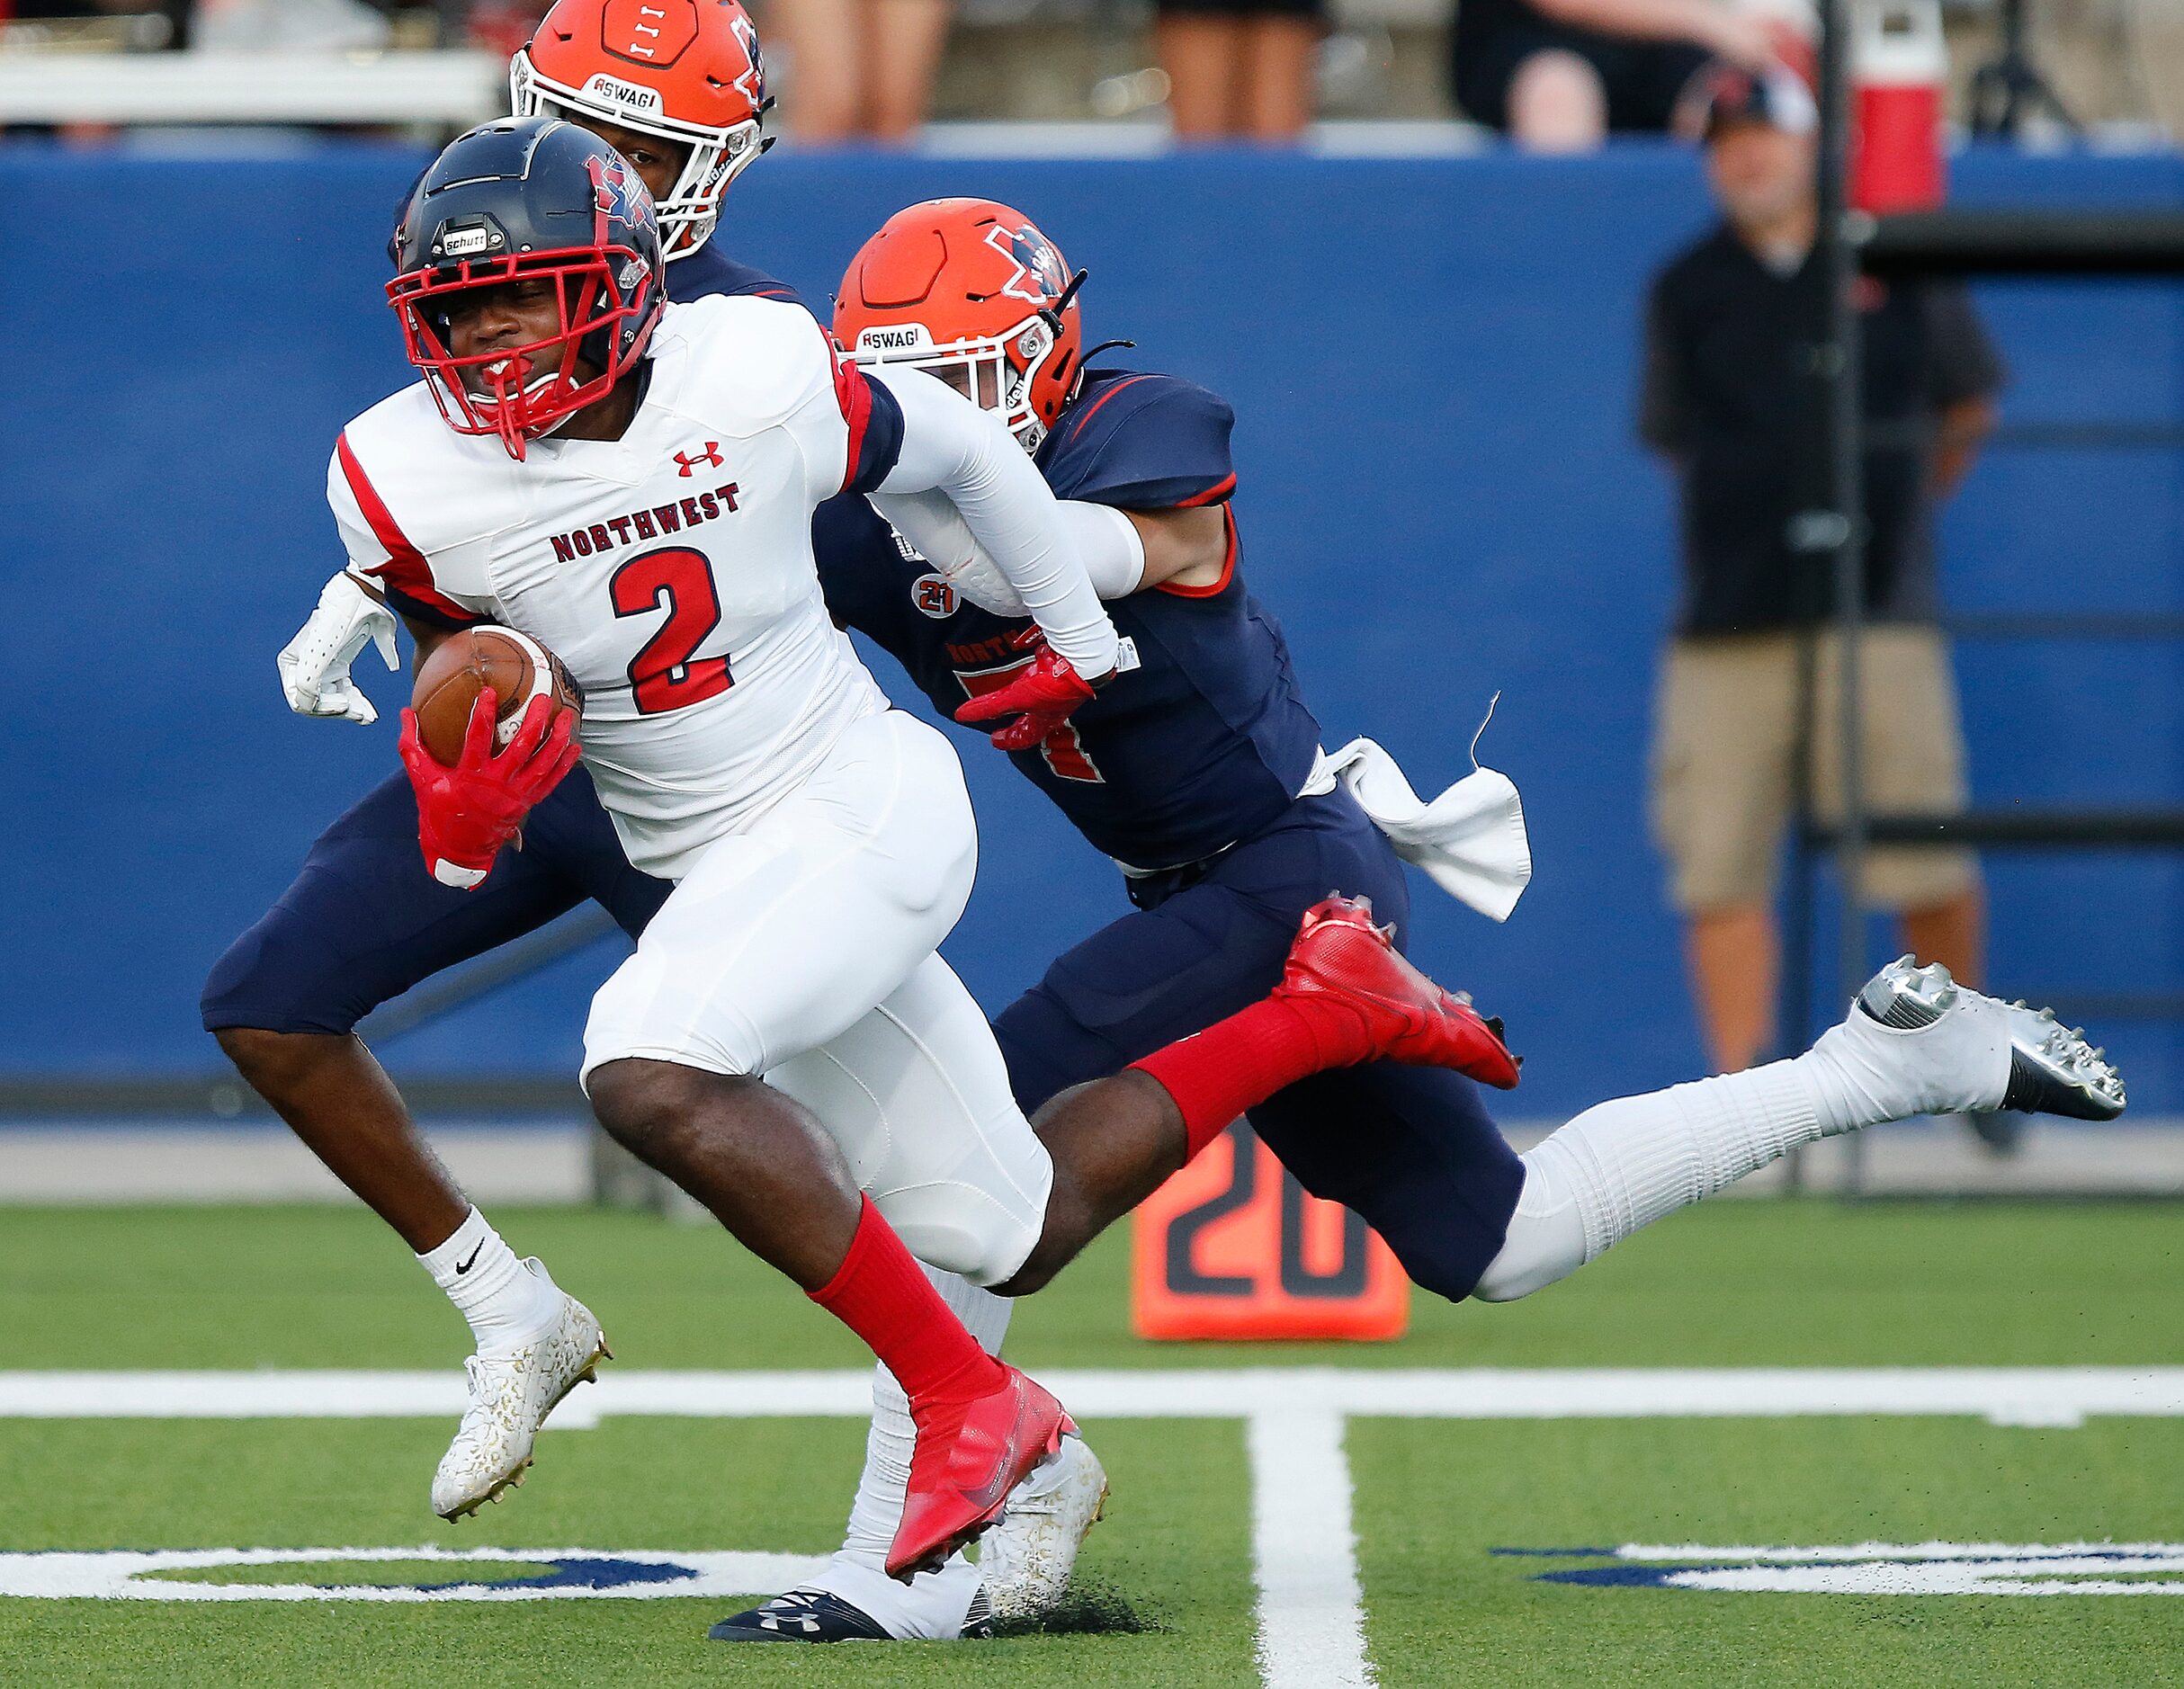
(516, 667)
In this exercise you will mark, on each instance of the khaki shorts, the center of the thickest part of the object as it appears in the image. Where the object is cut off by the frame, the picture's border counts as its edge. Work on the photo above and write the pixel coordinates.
(1724, 753)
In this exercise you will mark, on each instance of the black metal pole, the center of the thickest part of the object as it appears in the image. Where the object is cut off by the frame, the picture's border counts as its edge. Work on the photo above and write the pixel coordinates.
(1841, 519)
(1794, 998)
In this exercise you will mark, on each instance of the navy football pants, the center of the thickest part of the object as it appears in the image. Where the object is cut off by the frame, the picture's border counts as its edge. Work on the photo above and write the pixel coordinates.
(364, 921)
(1412, 1149)
(1409, 1149)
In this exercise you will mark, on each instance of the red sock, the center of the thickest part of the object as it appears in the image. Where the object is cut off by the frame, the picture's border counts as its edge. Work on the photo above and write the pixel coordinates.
(1216, 1075)
(881, 1293)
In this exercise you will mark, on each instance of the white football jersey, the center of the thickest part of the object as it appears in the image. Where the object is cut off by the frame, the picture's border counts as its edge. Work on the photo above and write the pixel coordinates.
(670, 570)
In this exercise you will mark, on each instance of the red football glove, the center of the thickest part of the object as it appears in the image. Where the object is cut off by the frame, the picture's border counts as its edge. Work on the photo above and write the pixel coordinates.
(466, 813)
(1042, 698)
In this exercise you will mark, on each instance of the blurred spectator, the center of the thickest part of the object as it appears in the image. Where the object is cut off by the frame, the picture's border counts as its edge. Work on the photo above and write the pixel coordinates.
(1727, 401)
(161, 23)
(1557, 75)
(858, 69)
(497, 27)
(230, 26)
(1239, 70)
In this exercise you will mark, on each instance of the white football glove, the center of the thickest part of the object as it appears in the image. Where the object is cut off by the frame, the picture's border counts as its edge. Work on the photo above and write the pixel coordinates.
(315, 664)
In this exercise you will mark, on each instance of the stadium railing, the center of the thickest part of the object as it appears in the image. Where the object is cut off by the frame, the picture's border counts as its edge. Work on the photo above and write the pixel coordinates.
(442, 89)
(1965, 243)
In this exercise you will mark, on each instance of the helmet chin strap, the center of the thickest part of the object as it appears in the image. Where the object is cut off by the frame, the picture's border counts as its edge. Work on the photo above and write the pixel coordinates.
(510, 431)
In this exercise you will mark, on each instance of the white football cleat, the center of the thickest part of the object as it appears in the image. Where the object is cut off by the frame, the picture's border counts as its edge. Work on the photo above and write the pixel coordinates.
(1027, 1559)
(1916, 1042)
(511, 1394)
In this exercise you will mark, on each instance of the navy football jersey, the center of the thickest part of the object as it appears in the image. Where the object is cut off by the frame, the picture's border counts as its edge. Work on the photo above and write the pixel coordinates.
(1208, 739)
(709, 270)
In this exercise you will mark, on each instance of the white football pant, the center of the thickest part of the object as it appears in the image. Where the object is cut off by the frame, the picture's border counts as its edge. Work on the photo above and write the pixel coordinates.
(803, 948)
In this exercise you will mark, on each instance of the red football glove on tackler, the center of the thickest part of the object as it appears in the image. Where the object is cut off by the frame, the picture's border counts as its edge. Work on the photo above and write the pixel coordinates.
(466, 813)
(1042, 698)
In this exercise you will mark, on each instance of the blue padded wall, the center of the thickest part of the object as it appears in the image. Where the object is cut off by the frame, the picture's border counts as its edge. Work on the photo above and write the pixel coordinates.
(1433, 364)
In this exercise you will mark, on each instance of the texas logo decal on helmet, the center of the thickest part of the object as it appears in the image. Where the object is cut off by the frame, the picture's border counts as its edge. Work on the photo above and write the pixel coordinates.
(751, 83)
(623, 193)
(973, 290)
(1040, 274)
(687, 72)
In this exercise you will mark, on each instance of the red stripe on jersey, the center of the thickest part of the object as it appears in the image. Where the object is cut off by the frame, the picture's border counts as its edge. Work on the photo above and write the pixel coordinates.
(1092, 409)
(853, 394)
(405, 569)
(1213, 494)
(1213, 589)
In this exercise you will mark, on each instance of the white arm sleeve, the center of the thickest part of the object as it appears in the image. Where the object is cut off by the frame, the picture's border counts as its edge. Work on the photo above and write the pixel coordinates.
(950, 444)
(1108, 545)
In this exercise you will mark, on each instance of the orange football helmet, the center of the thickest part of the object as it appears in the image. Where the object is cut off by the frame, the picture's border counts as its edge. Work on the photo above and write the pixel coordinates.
(688, 71)
(971, 289)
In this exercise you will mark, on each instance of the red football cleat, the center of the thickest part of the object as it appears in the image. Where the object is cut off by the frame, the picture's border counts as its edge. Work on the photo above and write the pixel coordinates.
(968, 1456)
(1340, 956)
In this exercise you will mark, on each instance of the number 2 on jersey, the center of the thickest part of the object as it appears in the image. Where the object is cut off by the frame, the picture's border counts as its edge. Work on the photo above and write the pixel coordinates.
(663, 676)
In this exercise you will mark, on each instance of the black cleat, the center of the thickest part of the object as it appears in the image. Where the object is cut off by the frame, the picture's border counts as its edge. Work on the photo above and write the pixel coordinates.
(2054, 1071)
(802, 1615)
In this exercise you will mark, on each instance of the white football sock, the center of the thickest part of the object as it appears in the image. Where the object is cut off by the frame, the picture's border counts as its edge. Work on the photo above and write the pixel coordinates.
(506, 1305)
(932, 1605)
(1624, 1164)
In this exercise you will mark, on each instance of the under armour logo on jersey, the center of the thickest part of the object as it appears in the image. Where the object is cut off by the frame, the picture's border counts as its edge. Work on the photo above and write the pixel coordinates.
(691, 460)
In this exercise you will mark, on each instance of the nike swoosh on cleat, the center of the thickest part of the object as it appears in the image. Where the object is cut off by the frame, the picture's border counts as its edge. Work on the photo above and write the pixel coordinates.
(991, 1495)
(464, 1266)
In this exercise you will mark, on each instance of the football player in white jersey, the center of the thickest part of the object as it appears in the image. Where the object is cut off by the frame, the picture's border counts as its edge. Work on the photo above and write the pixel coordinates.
(363, 921)
(631, 485)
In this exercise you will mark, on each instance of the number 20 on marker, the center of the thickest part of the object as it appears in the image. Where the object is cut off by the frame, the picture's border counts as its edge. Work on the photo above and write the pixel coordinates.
(1233, 1247)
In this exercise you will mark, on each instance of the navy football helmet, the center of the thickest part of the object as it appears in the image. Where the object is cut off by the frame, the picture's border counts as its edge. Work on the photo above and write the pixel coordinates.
(514, 198)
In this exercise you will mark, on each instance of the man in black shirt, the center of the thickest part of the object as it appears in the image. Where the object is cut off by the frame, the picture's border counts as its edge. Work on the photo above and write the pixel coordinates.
(1728, 402)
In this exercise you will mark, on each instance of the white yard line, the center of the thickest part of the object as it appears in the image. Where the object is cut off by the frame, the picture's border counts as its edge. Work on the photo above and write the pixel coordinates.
(2030, 1395)
(1304, 1552)
(1311, 1607)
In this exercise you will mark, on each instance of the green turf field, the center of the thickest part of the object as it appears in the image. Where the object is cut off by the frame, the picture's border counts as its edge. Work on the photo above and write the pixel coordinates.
(1736, 1285)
